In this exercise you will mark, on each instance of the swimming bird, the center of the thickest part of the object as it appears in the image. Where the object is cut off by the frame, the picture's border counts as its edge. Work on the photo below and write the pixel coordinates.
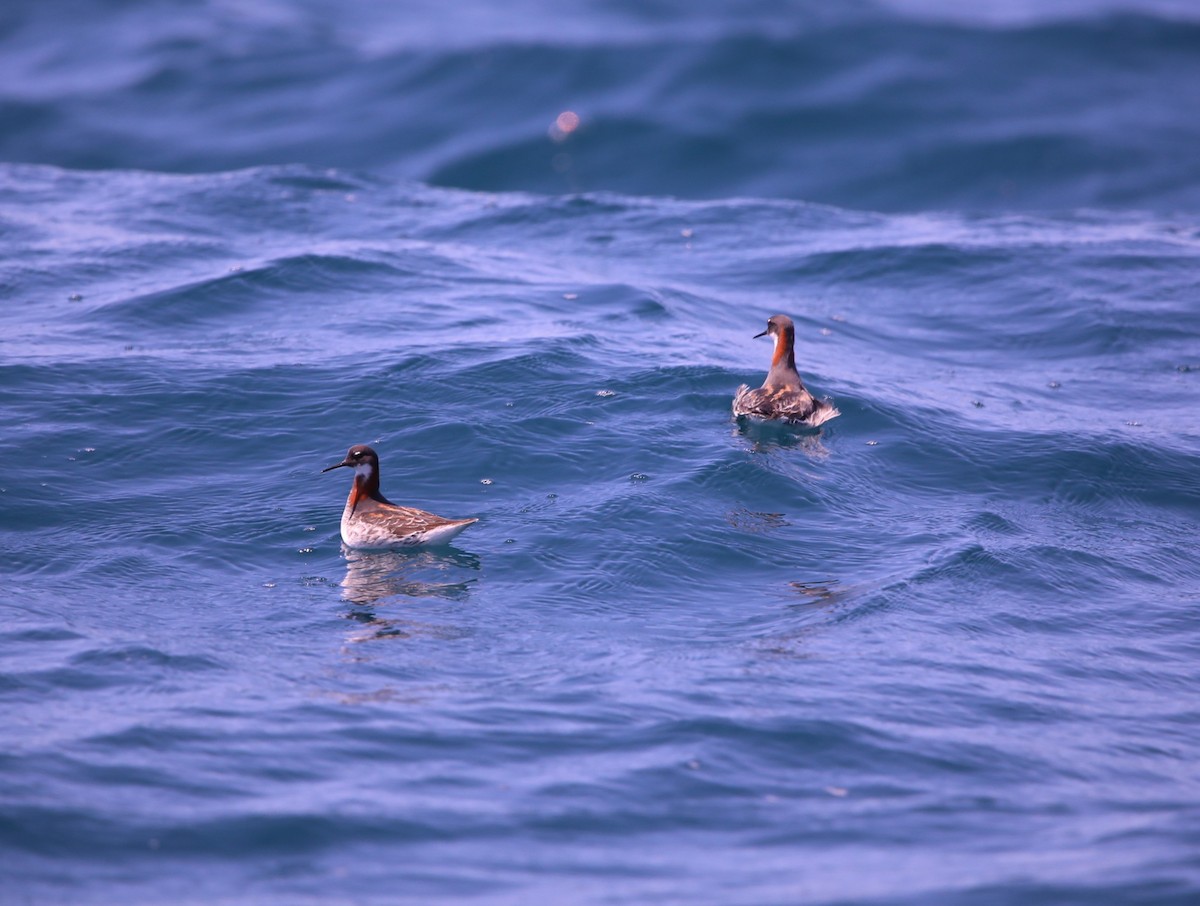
(783, 396)
(370, 520)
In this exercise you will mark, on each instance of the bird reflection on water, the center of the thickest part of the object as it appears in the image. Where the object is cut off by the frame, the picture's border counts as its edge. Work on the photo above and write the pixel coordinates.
(764, 436)
(822, 593)
(375, 577)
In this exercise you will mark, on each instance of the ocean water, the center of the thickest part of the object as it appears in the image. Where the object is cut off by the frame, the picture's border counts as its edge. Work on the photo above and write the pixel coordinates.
(946, 650)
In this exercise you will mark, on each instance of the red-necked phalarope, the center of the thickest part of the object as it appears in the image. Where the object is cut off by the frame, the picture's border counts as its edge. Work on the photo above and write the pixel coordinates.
(783, 395)
(370, 520)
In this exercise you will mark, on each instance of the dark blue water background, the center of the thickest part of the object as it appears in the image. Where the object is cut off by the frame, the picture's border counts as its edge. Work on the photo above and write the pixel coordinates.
(945, 651)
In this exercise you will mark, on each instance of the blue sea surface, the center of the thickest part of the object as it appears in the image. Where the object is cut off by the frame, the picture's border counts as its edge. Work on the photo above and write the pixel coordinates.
(945, 650)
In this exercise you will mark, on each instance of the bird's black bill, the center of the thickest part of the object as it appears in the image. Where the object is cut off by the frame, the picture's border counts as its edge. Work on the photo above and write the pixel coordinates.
(336, 465)
(763, 334)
